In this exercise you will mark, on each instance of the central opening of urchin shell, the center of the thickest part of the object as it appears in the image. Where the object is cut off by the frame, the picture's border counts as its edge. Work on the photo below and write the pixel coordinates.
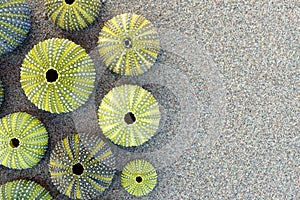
(69, 1)
(138, 179)
(78, 169)
(14, 143)
(129, 118)
(127, 43)
(51, 75)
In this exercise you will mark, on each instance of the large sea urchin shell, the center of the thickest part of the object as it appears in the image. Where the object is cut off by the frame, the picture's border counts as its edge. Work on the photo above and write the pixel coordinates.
(58, 75)
(73, 14)
(14, 24)
(138, 177)
(129, 44)
(78, 172)
(23, 140)
(23, 189)
(129, 115)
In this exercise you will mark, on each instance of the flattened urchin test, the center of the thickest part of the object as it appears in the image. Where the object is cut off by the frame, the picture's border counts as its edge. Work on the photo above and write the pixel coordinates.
(129, 115)
(78, 172)
(58, 75)
(14, 24)
(23, 140)
(129, 44)
(73, 14)
(23, 189)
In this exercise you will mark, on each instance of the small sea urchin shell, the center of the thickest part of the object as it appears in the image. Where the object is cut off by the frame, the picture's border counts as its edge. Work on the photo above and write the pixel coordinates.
(14, 24)
(129, 115)
(129, 44)
(73, 14)
(78, 172)
(23, 140)
(23, 189)
(58, 75)
(138, 177)
(1, 93)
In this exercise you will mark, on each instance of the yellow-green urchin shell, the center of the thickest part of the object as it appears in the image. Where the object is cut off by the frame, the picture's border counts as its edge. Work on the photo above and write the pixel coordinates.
(58, 75)
(73, 14)
(23, 140)
(129, 115)
(129, 44)
(23, 189)
(138, 177)
(1, 93)
(14, 24)
(78, 172)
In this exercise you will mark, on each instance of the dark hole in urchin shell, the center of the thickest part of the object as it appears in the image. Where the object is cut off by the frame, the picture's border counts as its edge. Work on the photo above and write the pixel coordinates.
(14, 142)
(78, 169)
(129, 118)
(127, 43)
(70, 2)
(138, 179)
(51, 75)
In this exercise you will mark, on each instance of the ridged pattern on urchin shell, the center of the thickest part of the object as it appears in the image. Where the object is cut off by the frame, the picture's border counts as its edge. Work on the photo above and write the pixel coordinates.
(14, 24)
(32, 137)
(75, 16)
(121, 101)
(135, 56)
(138, 177)
(1, 93)
(23, 189)
(97, 174)
(75, 75)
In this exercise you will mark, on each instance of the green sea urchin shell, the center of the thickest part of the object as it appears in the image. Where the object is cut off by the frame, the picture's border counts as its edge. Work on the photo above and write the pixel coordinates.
(129, 44)
(78, 172)
(23, 189)
(1, 93)
(138, 177)
(58, 75)
(129, 115)
(73, 14)
(14, 24)
(23, 140)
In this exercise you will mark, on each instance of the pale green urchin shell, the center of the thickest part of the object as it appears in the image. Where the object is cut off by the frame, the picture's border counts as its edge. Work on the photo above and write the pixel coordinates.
(129, 44)
(73, 14)
(58, 75)
(129, 115)
(23, 140)
(23, 189)
(1, 93)
(78, 172)
(138, 177)
(14, 24)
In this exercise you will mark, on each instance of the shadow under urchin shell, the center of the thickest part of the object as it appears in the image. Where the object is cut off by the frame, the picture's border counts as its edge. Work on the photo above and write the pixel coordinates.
(73, 14)
(14, 27)
(23, 140)
(79, 172)
(138, 177)
(129, 115)
(23, 189)
(129, 44)
(1, 93)
(57, 75)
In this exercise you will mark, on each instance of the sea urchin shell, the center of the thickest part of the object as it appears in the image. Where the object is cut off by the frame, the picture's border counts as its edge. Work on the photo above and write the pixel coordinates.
(23, 189)
(129, 44)
(129, 115)
(78, 172)
(73, 14)
(138, 177)
(14, 24)
(23, 140)
(58, 75)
